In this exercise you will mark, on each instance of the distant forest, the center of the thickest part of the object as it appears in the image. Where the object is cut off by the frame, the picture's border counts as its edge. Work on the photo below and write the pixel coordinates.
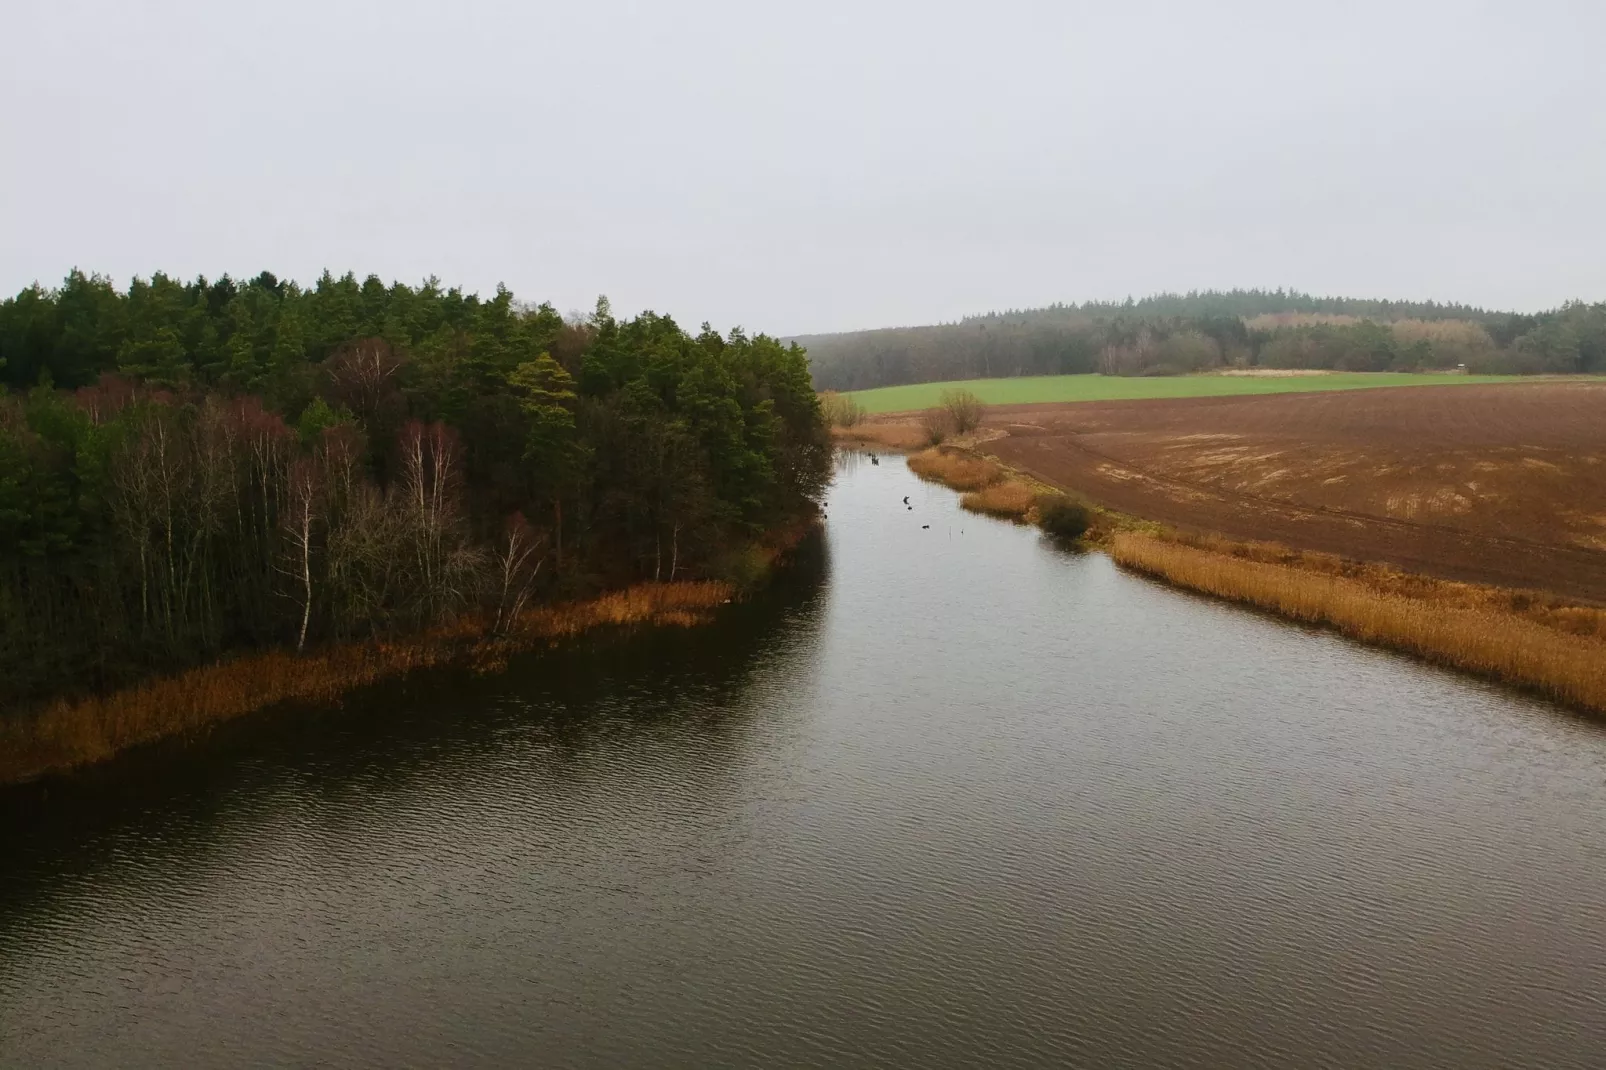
(1175, 334)
(191, 468)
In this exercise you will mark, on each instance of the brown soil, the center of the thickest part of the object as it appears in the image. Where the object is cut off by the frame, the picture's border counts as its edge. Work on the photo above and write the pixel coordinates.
(1500, 484)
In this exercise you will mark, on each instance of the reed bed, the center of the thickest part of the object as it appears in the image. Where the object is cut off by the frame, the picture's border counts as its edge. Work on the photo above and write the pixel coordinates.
(1011, 500)
(1488, 631)
(956, 470)
(67, 734)
(985, 487)
(895, 437)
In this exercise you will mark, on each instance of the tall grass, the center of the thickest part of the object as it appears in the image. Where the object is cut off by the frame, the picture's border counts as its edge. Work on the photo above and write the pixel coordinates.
(73, 733)
(1010, 499)
(1492, 632)
(985, 487)
(898, 437)
(957, 470)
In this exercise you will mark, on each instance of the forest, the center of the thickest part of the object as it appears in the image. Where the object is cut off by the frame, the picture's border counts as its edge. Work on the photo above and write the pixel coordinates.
(189, 469)
(1176, 334)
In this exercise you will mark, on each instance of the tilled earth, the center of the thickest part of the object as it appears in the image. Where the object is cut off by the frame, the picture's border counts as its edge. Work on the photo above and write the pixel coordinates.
(1497, 484)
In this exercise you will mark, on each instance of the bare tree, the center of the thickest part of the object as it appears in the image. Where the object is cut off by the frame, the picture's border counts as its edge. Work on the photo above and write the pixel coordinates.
(367, 558)
(363, 376)
(1130, 358)
(519, 558)
(937, 424)
(964, 410)
(840, 410)
(303, 509)
(431, 471)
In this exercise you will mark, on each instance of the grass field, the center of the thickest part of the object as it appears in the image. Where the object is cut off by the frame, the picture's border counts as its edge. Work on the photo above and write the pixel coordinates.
(1043, 388)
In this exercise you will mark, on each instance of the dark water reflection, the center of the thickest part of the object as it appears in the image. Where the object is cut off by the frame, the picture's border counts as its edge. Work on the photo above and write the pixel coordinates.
(947, 797)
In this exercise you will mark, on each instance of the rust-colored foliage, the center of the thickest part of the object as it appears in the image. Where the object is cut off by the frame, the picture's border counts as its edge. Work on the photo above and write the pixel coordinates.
(1010, 499)
(888, 435)
(1506, 635)
(68, 734)
(956, 470)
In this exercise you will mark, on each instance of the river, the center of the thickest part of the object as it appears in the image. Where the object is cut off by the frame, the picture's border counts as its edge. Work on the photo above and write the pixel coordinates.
(944, 796)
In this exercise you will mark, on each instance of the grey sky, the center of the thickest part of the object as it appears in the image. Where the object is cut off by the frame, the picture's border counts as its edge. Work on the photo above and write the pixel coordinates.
(821, 165)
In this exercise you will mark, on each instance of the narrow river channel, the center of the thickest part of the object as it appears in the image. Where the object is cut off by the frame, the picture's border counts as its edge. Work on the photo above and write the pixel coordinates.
(946, 796)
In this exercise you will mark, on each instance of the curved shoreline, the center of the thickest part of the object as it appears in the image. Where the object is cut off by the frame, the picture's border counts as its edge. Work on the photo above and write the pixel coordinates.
(1527, 639)
(67, 734)
(1484, 631)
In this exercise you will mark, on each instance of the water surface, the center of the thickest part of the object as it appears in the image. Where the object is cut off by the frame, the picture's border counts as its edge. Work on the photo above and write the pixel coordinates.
(947, 796)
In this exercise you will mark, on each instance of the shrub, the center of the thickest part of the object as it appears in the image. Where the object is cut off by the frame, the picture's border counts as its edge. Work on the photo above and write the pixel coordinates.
(964, 410)
(744, 568)
(937, 425)
(1062, 517)
(840, 410)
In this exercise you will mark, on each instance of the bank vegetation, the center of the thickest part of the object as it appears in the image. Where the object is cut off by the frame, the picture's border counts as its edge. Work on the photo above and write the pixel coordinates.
(1517, 637)
(68, 733)
(987, 487)
(239, 472)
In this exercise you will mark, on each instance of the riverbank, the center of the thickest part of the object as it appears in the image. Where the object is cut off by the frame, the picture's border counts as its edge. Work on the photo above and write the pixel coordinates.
(1529, 639)
(67, 734)
(1496, 485)
(1516, 637)
(770, 839)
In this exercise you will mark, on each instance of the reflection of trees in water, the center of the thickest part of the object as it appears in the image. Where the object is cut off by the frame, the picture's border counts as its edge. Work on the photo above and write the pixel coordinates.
(189, 804)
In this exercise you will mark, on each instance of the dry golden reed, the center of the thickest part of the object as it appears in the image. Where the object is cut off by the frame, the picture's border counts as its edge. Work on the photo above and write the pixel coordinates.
(1008, 499)
(1492, 632)
(961, 472)
(72, 733)
(898, 437)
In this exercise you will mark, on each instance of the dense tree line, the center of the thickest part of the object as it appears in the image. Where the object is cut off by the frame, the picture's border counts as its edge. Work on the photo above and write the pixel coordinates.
(1179, 333)
(189, 468)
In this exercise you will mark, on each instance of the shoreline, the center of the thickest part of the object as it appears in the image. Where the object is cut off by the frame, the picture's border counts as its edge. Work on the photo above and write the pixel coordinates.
(1529, 639)
(1516, 638)
(64, 734)
(68, 734)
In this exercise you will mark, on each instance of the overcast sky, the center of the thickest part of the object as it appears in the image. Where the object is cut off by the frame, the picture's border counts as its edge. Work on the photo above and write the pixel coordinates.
(818, 165)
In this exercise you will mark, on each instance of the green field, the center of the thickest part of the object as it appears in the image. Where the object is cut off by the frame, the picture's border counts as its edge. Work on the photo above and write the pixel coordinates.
(1038, 388)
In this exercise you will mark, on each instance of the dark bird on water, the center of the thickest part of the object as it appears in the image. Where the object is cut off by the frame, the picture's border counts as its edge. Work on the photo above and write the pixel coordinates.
(874, 459)
(923, 527)
(906, 500)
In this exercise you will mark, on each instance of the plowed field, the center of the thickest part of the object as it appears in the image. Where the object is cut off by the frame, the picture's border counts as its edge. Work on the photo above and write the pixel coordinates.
(1494, 484)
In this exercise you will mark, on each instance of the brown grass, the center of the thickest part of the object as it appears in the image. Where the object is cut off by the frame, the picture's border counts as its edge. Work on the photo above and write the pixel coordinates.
(957, 470)
(68, 734)
(1010, 499)
(986, 487)
(1512, 636)
(898, 437)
